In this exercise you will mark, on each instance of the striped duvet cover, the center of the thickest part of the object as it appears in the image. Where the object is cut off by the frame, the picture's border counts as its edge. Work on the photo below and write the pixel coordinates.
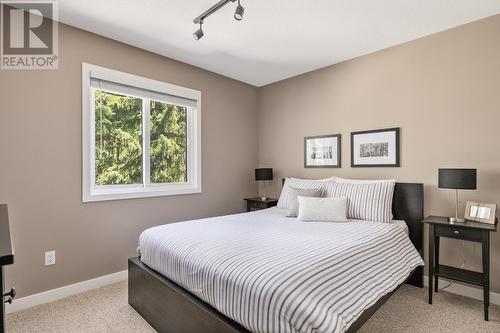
(271, 273)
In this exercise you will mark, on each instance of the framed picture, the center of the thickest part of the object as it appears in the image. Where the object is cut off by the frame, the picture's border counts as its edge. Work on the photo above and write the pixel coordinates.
(376, 148)
(480, 212)
(322, 151)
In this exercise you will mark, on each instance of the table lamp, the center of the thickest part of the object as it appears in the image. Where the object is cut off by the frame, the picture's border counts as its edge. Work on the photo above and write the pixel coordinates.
(457, 179)
(263, 174)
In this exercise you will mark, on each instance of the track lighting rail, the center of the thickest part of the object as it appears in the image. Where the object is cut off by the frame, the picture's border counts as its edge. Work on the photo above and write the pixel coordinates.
(211, 10)
(238, 15)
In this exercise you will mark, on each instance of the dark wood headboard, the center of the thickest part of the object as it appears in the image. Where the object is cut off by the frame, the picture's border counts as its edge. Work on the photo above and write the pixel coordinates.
(408, 205)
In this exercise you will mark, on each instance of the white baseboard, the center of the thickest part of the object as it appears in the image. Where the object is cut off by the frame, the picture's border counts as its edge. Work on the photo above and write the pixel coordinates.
(80, 287)
(465, 290)
(72, 289)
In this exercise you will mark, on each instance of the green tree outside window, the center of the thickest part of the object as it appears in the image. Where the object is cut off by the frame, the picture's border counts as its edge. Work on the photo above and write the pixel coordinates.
(118, 137)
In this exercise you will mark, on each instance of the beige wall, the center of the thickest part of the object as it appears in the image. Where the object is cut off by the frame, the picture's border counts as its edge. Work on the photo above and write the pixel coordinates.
(40, 169)
(442, 90)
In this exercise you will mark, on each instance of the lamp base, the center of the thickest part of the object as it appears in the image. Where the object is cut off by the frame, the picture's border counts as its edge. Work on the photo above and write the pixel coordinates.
(456, 220)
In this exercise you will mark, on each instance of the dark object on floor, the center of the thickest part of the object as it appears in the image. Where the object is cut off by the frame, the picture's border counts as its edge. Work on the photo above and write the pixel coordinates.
(6, 258)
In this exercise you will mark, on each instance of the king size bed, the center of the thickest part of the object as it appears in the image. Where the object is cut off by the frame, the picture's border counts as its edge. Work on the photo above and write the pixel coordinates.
(265, 272)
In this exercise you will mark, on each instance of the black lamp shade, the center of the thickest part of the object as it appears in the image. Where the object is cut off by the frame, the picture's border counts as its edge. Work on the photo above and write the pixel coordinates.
(461, 179)
(264, 174)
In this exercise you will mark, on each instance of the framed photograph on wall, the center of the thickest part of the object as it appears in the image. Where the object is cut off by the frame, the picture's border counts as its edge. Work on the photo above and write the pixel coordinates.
(375, 148)
(322, 151)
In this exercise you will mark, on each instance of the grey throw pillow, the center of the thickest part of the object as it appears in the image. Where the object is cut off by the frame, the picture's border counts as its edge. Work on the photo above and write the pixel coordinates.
(293, 203)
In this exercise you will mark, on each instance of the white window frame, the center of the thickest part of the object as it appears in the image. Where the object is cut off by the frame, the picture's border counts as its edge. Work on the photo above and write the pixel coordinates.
(92, 192)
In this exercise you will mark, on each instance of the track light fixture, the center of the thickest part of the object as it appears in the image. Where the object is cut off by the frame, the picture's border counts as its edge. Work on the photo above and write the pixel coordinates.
(198, 34)
(238, 15)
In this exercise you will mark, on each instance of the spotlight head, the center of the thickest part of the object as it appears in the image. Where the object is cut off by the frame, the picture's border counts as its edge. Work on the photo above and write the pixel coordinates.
(238, 14)
(198, 34)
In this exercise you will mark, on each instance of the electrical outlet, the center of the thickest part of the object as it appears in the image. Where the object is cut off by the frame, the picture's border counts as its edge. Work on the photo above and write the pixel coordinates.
(50, 258)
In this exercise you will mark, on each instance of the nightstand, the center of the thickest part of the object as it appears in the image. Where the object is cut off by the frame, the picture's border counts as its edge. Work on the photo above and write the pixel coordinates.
(258, 203)
(469, 231)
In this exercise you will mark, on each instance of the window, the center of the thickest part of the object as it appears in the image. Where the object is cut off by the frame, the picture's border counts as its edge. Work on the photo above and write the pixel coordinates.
(141, 138)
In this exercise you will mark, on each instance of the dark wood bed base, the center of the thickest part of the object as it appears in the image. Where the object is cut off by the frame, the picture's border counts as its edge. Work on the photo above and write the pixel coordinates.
(170, 308)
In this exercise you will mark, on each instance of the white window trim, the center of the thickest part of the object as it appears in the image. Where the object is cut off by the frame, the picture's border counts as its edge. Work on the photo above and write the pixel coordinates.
(90, 192)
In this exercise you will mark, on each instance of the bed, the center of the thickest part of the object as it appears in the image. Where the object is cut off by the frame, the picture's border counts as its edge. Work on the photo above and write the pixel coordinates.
(263, 272)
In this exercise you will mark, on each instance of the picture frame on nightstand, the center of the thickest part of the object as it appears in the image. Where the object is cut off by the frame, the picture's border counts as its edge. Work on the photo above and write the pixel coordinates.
(480, 212)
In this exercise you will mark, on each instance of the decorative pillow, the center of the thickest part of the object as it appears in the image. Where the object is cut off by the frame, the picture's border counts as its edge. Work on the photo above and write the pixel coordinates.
(365, 201)
(300, 183)
(322, 209)
(293, 203)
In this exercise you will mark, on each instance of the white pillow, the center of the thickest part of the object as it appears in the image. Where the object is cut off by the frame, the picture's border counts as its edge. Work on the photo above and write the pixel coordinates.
(365, 201)
(294, 193)
(322, 209)
(300, 183)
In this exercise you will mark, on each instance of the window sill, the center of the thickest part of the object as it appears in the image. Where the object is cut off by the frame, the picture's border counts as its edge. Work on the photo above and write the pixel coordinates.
(107, 194)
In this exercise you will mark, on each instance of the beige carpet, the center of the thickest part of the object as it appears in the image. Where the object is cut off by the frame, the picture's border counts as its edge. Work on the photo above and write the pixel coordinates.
(106, 310)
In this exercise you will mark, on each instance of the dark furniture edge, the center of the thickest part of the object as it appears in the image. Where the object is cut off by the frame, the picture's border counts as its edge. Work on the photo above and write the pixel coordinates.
(408, 205)
(6, 251)
(440, 220)
(366, 315)
(169, 308)
(6, 258)
(257, 199)
(459, 274)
